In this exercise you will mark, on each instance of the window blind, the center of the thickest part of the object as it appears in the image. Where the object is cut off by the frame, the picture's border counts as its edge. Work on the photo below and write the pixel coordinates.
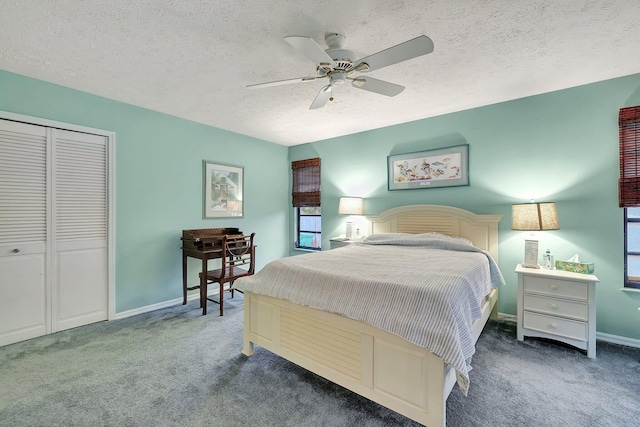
(306, 182)
(629, 182)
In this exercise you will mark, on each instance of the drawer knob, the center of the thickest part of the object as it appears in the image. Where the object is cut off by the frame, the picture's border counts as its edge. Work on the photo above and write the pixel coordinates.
(16, 250)
(554, 287)
(554, 306)
(553, 326)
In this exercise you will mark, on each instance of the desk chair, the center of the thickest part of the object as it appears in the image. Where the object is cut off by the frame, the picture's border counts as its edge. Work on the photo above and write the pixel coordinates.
(238, 260)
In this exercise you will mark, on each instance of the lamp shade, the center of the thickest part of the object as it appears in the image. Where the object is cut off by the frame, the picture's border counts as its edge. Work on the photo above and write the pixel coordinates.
(534, 217)
(351, 206)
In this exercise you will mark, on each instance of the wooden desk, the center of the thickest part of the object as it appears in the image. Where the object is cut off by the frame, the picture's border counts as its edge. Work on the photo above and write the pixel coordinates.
(204, 244)
(204, 254)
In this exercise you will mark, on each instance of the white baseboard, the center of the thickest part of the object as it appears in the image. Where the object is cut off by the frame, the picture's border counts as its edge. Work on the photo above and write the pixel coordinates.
(508, 317)
(158, 306)
(147, 308)
(617, 339)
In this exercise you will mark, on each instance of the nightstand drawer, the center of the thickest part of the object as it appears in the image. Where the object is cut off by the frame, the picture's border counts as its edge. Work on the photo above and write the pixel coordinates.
(556, 287)
(555, 325)
(557, 307)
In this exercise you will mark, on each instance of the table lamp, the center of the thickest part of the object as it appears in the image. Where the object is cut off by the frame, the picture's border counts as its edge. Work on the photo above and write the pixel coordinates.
(533, 217)
(351, 206)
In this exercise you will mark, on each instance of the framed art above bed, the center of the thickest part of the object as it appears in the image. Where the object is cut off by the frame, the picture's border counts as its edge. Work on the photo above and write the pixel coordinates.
(441, 167)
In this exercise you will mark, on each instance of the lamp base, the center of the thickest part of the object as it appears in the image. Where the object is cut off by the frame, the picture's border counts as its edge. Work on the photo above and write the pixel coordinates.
(350, 232)
(531, 254)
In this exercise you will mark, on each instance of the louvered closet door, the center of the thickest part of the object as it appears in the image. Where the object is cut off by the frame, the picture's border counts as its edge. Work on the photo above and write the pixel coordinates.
(79, 229)
(23, 226)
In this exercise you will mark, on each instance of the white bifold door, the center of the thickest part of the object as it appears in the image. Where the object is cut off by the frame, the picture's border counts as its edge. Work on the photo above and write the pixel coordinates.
(53, 230)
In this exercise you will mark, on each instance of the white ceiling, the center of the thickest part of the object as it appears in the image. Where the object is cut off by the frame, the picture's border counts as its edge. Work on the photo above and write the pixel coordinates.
(194, 58)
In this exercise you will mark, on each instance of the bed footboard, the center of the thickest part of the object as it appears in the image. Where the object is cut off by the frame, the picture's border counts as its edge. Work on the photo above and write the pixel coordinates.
(366, 360)
(373, 363)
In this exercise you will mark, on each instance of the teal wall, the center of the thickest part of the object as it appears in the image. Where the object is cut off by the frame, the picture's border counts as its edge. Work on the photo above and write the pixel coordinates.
(159, 183)
(560, 146)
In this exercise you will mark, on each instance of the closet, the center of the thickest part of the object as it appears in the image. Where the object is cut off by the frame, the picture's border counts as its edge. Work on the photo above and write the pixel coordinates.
(53, 229)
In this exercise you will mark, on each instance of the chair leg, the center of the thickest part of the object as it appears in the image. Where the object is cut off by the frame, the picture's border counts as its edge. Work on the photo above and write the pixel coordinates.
(184, 279)
(221, 299)
(203, 297)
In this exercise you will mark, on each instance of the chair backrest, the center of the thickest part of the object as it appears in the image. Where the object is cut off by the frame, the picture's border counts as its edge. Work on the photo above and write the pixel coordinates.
(239, 251)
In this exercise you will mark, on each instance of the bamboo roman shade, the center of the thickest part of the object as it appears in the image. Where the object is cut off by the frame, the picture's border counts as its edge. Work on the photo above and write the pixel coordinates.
(629, 182)
(306, 182)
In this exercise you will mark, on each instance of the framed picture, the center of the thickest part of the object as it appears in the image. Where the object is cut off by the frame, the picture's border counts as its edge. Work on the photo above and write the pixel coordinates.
(442, 167)
(222, 190)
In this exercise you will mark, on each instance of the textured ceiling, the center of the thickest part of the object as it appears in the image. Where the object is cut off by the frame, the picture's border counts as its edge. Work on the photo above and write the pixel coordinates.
(194, 58)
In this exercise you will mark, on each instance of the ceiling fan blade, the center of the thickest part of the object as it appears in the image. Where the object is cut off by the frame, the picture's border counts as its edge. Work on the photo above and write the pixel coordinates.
(285, 82)
(322, 98)
(309, 48)
(377, 86)
(410, 49)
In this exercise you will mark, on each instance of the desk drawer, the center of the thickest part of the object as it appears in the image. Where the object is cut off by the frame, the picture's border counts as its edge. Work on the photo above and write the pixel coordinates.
(555, 287)
(557, 307)
(556, 326)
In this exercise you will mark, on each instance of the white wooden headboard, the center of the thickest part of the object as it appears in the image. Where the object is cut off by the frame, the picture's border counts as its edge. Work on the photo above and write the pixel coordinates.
(482, 230)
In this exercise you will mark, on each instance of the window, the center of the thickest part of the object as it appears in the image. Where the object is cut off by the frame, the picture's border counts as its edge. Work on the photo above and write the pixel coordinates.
(306, 201)
(632, 247)
(629, 192)
(309, 228)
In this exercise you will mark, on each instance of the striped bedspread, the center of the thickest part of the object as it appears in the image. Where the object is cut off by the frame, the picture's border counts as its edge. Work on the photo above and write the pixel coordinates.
(426, 288)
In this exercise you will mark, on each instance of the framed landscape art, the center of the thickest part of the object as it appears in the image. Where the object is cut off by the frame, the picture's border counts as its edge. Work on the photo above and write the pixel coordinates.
(441, 167)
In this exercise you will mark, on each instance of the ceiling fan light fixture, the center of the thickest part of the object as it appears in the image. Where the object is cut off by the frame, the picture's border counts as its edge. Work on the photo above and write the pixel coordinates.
(337, 78)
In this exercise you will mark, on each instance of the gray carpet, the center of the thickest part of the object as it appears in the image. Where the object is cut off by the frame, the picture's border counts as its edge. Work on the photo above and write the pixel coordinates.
(174, 367)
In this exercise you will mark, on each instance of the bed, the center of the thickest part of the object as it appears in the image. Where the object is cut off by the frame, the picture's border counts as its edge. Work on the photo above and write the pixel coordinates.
(360, 351)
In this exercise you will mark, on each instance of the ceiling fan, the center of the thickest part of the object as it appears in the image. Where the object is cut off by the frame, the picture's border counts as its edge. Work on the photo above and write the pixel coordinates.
(338, 65)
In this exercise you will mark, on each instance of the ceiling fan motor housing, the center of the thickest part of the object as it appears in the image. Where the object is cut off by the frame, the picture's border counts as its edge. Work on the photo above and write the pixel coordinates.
(342, 64)
(335, 40)
(343, 58)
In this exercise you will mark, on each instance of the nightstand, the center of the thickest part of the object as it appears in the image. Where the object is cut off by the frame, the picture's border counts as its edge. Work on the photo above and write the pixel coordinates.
(558, 305)
(338, 242)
